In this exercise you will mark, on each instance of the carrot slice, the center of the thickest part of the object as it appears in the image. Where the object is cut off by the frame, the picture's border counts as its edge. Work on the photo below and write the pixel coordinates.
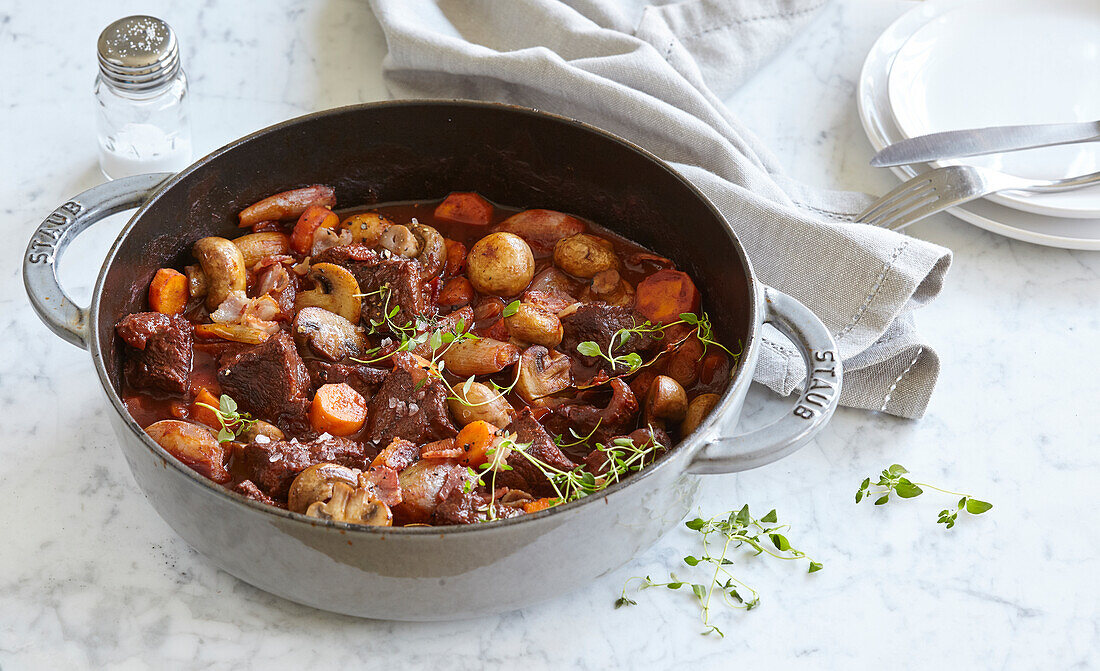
(665, 295)
(338, 409)
(315, 216)
(203, 414)
(537, 505)
(474, 440)
(168, 292)
(456, 256)
(465, 208)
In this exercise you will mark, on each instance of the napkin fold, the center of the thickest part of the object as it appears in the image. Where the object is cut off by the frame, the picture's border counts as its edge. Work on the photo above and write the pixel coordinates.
(656, 75)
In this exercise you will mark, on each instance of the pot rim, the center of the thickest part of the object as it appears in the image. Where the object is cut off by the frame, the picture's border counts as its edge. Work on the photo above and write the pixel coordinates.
(686, 447)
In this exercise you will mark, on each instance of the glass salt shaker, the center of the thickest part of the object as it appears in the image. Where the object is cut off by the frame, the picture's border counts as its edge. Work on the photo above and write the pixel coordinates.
(141, 99)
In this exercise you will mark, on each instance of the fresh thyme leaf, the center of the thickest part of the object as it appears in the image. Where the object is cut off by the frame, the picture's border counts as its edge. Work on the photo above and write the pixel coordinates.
(510, 309)
(589, 348)
(233, 423)
(719, 535)
(624, 601)
(976, 507)
(892, 480)
(907, 490)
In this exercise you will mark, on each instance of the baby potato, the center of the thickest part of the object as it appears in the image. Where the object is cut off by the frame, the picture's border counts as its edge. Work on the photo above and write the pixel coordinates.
(584, 255)
(500, 264)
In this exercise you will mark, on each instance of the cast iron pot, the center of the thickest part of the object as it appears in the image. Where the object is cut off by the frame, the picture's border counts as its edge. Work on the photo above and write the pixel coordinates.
(416, 150)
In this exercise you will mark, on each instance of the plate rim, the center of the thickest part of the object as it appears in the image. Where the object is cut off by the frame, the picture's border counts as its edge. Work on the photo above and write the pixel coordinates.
(869, 118)
(1023, 201)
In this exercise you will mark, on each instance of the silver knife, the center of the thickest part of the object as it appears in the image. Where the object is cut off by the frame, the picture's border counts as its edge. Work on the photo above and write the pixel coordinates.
(978, 141)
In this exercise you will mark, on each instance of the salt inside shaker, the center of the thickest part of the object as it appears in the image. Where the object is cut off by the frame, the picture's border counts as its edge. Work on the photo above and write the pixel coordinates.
(141, 99)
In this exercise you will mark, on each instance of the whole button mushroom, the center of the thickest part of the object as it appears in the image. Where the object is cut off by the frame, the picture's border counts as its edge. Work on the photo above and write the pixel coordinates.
(223, 265)
(584, 255)
(665, 401)
(697, 411)
(500, 264)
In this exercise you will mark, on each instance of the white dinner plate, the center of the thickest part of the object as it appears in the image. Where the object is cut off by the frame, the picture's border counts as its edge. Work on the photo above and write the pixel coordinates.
(878, 123)
(1007, 62)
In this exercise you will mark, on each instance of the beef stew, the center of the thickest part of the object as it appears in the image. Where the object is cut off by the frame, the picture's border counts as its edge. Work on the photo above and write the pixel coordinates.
(433, 362)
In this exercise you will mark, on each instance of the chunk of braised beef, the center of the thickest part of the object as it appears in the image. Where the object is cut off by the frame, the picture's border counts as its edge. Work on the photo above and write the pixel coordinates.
(410, 404)
(525, 475)
(360, 377)
(374, 270)
(599, 322)
(584, 418)
(159, 351)
(461, 504)
(271, 382)
(272, 466)
(249, 490)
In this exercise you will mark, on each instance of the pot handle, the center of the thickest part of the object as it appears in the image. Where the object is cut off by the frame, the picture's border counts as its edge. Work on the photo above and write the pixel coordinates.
(54, 307)
(815, 404)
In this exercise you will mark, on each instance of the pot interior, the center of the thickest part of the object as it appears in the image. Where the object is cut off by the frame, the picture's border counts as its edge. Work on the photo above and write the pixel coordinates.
(422, 150)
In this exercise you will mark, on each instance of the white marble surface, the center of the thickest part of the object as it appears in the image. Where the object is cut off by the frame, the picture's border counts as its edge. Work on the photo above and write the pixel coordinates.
(90, 577)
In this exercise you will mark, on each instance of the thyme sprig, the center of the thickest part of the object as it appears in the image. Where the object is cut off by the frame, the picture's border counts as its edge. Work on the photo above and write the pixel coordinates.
(729, 531)
(632, 361)
(893, 481)
(622, 456)
(497, 462)
(233, 423)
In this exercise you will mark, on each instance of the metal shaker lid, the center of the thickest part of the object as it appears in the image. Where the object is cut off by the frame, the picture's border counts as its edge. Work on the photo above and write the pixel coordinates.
(138, 53)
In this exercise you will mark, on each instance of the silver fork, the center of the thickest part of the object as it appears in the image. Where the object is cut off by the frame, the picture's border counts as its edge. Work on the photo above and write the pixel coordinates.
(941, 188)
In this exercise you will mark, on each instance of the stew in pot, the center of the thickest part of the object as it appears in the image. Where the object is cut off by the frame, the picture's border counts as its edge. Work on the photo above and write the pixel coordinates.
(436, 362)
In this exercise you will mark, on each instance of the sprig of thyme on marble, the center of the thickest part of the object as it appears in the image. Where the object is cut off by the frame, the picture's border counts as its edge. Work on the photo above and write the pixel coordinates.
(893, 481)
(730, 531)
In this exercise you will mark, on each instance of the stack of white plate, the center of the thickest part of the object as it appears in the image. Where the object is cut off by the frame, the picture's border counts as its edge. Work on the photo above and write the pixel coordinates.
(956, 64)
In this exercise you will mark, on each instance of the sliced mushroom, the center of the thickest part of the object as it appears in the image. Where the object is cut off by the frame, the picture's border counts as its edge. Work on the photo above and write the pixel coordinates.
(335, 290)
(542, 372)
(328, 334)
(315, 484)
(400, 240)
(479, 402)
(353, 505)
(433, 251)
(697, 411)
(224, 266)
(665, 401)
